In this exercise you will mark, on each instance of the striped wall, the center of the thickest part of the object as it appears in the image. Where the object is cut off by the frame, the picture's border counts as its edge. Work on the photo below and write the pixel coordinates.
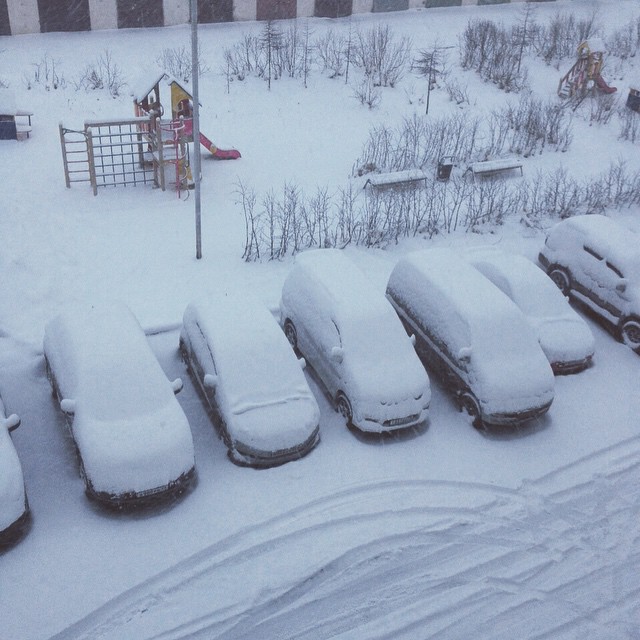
(35, 16)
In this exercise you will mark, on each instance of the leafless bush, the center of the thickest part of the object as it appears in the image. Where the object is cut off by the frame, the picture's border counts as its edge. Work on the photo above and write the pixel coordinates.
(560, 38)
(45, 73)
(528, 127)
(602, 108)
(367, 93)
(177, 62)
(331, 50)
(246, 197)
(456, 92)
(418, 142)
(380, 56)
(629, 124)
(104, 73)
(624, 42)
(491, 201)
(494, 54)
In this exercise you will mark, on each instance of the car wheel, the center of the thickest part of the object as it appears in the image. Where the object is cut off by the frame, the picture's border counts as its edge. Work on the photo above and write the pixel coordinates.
(344, 408)
(291, 333)
(560, 278)
(183, 352)
(470, 405)
(630, 333)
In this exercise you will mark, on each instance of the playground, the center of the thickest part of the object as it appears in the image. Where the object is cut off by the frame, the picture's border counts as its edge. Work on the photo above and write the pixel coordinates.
(559, 498)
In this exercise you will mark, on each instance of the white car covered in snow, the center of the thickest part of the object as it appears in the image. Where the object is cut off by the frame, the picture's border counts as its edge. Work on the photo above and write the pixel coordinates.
(350, 335)
(595, 260)
(473, 337)
(14, 507)
(563, 335)
(133, 440)
(253, 382)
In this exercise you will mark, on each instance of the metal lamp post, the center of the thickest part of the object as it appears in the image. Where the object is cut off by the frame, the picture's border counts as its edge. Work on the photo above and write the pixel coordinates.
(196, 123)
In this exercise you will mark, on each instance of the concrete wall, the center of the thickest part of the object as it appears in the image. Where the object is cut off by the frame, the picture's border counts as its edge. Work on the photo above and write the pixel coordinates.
(24, 16)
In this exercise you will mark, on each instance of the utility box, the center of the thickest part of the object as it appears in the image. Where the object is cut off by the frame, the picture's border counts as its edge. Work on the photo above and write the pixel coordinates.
(633, 100)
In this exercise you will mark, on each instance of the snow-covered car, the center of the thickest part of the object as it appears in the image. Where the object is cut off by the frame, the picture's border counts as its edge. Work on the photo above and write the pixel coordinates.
(253, 382)
(132, 438)
(350, 335)
(563, 335)
(14, 507)
(473, 337)
(596, 261)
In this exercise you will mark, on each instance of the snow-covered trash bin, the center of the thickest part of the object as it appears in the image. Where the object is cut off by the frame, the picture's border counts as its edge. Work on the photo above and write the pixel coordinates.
(349, 333)
(563, 335)
(473, 337)
(596, 261)
(133, 439)
(14, 506)
(251, 379)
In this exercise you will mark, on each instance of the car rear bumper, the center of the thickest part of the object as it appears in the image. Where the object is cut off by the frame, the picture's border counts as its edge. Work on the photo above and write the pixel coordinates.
(16, 530)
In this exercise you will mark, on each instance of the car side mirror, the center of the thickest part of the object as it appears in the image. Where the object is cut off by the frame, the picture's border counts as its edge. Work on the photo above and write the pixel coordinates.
(302, 362)
(12, 422)
(621, 287)
(177, 385)
(464, 355)
(210, 381)
(337, 353)
(412, 337)
(68, 406)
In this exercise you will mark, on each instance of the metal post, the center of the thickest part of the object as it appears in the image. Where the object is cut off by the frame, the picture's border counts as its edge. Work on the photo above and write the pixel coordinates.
(196, 123)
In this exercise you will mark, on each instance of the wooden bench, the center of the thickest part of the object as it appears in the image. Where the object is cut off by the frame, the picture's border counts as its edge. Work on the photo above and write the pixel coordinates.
(23, 129)
(395, 179)
(492, 167)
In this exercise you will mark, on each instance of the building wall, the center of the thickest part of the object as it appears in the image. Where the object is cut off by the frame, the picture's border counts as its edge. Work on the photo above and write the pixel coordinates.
(34, 16)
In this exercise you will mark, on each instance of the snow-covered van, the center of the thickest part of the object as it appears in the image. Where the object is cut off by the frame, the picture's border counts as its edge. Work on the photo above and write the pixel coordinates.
(251, 379)
(595, 260)
(132, 437)
(14, 507)
(473, 337)
(350, 335)
(563, 335)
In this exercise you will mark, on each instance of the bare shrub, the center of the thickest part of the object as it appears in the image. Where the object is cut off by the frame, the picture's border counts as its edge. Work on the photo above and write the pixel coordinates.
(629, 122)
(602, 108)
(177, 62)
(331, 50)
(45, 74)
(492, 52)
(624, 42)
(367, 93)
(456, 92)
(560, 38)
(380, 56)
(103, 73)
(246, 197)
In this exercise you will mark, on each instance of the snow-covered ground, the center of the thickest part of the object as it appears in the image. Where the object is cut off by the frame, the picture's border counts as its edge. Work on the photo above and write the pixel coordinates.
(439, 533)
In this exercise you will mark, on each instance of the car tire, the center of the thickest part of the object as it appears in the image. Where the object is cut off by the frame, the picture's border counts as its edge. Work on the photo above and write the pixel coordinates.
(183, 352)
(560, 278)
(343, 406)
(630, 333)
(291, 334)
(469, 405)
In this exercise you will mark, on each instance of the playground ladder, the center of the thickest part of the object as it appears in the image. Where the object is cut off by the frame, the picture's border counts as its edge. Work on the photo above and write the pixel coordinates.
(77, 157)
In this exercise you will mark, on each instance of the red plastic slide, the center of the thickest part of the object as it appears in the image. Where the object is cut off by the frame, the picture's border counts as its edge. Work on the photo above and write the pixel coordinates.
(221, 154)
(603, 86)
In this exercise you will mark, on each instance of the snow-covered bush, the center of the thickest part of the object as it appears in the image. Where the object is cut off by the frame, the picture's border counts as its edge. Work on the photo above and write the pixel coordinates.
(45, 74)
(176, 61)
(560, 38)
(624, 42)
(494, 53)
(332, 53)
(103, 73)
(602, 107)
(629, 124)
(380, 56)
(367, 93)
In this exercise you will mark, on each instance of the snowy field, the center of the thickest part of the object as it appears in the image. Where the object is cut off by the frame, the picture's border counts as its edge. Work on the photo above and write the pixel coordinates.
(439, 533)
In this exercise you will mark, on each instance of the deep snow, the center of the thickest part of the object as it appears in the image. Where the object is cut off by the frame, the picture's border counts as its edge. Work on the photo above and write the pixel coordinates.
(443, 533)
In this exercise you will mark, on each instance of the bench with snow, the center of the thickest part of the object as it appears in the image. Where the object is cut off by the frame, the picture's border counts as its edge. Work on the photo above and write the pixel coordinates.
(23, 129)
(491, 167)
(396, 179)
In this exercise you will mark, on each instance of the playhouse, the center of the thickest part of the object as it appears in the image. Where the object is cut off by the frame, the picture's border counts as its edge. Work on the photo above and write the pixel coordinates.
(585, 77)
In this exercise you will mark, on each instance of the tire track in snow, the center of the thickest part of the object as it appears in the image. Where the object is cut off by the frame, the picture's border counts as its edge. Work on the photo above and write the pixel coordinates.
(559, 558)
